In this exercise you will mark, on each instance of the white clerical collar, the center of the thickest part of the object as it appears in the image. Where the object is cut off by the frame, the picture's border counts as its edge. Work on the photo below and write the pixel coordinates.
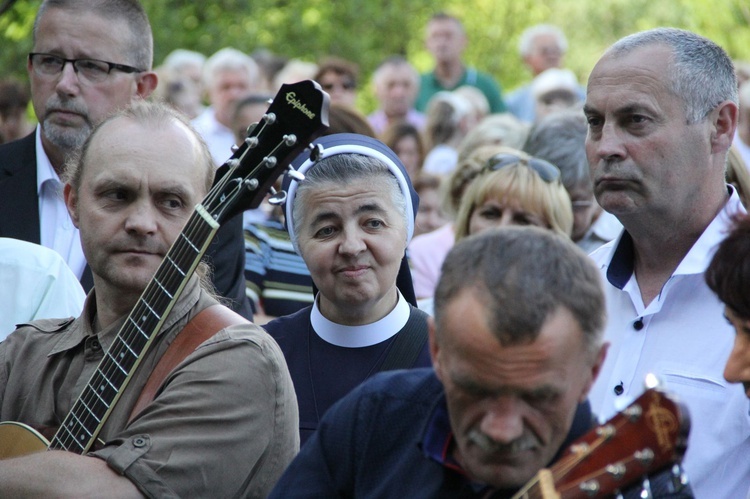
(365, 335)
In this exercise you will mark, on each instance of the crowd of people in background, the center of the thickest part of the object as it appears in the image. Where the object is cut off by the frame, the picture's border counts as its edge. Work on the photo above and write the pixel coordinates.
(640, 167)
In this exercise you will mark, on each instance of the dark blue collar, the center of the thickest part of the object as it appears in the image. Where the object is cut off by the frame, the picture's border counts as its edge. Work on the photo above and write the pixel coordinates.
(623, 262)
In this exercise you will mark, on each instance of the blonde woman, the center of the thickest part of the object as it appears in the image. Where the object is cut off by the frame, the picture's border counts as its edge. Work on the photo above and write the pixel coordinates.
(514, 188)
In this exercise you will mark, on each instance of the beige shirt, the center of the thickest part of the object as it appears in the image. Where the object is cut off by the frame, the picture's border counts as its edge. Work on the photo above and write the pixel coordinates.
(223, 424)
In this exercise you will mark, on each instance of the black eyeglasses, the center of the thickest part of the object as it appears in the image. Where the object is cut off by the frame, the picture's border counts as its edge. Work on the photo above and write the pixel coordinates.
(546, 170)
(91, 70)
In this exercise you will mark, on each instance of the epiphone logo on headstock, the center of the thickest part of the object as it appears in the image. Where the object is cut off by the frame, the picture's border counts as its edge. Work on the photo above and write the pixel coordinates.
(662, 422)
(291, 98)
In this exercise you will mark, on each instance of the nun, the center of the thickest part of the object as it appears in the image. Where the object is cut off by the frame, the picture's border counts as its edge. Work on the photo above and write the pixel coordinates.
(350, 219)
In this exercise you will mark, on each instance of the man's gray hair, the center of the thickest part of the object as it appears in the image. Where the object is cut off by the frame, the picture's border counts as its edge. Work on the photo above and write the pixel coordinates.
(140, 52)
(341, 169)
(701, 73)
(526, 42)
(230, 59)
(522, 275)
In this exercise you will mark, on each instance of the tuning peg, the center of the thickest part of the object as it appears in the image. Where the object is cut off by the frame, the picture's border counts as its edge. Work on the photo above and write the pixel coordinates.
(644, 456)
(251, 142)
(234, 148)
(270, 161)
(277, 198)
(290, 140)
(251, 128)
(679, 478)
(589, 487)
(299, 177)
(269, 118)
(633, 413)
(251, 184)
(646, 489)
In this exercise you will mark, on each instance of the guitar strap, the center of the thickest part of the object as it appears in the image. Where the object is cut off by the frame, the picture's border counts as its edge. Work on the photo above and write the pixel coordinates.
(203, 326)
(408, 343)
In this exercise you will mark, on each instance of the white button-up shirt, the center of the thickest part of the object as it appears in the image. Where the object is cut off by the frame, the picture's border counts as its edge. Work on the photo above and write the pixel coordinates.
(683, 338)
(218, 137)
(56, 226)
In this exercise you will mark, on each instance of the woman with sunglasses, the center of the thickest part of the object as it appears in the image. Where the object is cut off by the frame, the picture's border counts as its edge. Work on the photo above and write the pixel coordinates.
(514, 188)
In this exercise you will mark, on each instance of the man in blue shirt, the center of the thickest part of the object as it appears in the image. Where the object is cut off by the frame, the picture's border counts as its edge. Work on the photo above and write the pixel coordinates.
(516, 344)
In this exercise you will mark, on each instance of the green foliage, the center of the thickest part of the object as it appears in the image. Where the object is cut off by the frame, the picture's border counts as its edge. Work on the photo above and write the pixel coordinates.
(366, 31)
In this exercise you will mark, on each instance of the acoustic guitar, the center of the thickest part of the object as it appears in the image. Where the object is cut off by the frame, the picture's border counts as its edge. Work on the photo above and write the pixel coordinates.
(296, 116)
(648, 437)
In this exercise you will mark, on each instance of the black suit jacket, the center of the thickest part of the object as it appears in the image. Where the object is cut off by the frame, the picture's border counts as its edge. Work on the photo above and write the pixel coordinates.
(19, 219)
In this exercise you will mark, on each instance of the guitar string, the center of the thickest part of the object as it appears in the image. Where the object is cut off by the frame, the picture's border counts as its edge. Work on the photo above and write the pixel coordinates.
(594, 474)
(86, 403)
(89, 398)
(530, 490)
(566, 464)
(122, 343)
(143, 308)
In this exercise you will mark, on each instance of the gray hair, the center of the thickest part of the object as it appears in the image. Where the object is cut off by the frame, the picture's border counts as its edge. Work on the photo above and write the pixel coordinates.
(141, 44)
(701, 73)
(522, 275)
(560, 138)
(526, 42)
(341, 169)
(181, 58)
(229, 59)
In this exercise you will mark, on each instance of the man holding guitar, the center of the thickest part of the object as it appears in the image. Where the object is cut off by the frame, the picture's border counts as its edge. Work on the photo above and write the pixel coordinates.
(516, 344)
(223, 421)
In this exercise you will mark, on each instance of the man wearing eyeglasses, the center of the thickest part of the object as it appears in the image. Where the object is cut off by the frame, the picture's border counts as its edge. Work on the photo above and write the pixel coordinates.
(86, 62)
(89, 59)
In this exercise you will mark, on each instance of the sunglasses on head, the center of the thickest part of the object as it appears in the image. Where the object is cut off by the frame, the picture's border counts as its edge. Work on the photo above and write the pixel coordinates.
(546, 170)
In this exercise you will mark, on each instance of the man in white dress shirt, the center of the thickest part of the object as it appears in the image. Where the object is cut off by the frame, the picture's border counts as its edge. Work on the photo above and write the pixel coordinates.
(662, 110)
(228, 76)
(89, 58)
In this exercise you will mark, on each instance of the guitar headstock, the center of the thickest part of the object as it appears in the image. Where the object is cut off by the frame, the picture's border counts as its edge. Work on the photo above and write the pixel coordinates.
(297, 115)
(647, 437)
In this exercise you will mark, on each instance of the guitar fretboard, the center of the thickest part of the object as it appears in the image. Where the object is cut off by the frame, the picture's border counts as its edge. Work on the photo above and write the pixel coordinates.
(82, 424)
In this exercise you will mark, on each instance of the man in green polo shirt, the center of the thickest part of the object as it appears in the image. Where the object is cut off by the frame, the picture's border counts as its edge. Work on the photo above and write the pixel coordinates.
(446, 41)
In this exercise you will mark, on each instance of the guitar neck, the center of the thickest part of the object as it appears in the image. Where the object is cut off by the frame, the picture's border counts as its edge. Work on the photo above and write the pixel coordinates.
(83, 423)
(647, 437)
(298, 113)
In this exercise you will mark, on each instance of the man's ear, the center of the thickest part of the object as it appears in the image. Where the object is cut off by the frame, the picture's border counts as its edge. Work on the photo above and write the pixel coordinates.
(71, 202)
(724, 123)
(146, 83)
(595, 370)
(434, 347)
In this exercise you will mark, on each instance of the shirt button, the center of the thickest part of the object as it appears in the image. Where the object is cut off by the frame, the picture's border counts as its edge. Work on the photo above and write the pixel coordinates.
(95, 345)
(638, 325)
(139, 441)
(619, 389)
